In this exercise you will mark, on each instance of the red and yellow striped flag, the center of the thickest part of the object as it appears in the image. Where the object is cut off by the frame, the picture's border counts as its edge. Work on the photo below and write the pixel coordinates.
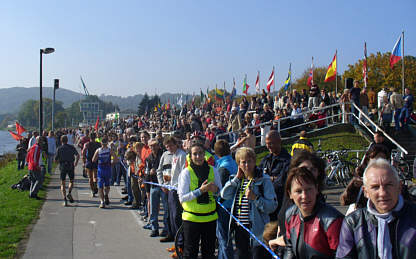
(332, 70)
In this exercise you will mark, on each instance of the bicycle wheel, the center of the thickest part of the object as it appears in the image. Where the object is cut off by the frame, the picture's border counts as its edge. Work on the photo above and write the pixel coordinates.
(178, 234)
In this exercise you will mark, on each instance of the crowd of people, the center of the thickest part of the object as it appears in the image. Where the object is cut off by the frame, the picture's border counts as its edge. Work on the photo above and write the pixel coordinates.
(191, 159)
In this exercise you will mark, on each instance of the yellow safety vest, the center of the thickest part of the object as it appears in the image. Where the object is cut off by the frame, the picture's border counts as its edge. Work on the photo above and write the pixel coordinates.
(192, 210)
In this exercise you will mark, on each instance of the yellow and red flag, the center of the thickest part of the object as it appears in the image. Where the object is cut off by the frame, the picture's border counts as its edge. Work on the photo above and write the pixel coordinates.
(332, 70)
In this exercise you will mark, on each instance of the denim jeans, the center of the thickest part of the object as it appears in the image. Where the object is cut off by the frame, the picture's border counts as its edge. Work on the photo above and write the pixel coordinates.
(397, 119)
(155, 195)
(129, 192)
(115, 174)
(20, 164)
(404, 114)
(50, 162)
(225, 248)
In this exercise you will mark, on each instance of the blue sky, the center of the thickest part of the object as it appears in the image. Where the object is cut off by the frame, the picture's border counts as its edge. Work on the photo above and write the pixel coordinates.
(130, 47)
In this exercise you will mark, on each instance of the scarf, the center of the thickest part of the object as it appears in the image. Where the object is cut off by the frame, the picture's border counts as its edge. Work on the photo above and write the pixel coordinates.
(202, 172)
(383, 233)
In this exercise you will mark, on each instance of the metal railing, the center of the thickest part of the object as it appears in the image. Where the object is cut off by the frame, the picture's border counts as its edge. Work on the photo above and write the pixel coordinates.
(304, 115)
(376, 127)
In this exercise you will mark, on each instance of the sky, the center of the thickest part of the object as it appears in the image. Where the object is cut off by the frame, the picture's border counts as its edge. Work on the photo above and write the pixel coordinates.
(127, 47)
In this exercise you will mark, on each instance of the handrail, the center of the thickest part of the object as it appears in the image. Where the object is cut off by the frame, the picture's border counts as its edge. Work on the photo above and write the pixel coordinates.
(315, 109)
(376, 126)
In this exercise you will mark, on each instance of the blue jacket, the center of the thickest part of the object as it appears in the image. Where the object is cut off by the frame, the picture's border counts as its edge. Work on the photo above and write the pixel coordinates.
(228, 163)
(260, 209)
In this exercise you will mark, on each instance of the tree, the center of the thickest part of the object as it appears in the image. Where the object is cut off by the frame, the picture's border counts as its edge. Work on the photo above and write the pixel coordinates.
(144, 105)
(381, 75)
(29, 112)
(318, 78)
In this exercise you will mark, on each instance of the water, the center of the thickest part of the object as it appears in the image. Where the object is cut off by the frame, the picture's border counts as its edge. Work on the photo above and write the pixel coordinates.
(7, 143)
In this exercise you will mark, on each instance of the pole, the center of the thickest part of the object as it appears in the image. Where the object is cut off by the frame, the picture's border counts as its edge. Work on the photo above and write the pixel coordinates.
(53, 108)
(403, 62)
(336, 70)
(40, 96)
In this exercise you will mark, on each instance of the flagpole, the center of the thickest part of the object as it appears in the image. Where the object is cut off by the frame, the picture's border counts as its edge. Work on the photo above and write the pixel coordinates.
(336, 70)
(403, 62)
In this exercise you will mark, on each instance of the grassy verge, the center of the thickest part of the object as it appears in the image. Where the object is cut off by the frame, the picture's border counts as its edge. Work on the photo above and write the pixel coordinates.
(331, 141)
(17, 210)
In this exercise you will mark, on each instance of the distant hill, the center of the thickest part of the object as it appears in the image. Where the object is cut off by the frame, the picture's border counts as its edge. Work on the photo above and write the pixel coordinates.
(12, 98)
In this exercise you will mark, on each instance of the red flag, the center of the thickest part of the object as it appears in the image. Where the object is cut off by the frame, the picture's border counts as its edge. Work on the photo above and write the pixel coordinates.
(271, 81)
(96, 123)
(19, 128)
(168, 106)
(15, 136)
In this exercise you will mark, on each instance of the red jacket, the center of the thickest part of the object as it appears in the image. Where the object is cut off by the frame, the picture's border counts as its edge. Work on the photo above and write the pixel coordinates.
(34, 157)
(316, 236)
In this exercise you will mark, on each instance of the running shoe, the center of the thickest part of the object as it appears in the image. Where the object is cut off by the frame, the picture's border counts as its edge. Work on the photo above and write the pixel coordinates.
(148, 226)
(69, 196)
(65, 204)
(102, 205)
(107, 200)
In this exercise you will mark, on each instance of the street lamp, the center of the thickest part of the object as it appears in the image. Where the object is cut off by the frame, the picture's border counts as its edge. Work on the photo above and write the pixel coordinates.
(42, 51)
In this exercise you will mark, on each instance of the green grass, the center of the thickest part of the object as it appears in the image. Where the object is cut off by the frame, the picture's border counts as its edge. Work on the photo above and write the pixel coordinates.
(17, 210)
(331, 141)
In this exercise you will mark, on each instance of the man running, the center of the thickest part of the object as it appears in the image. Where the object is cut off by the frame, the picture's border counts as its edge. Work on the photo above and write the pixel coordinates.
(91, 167)
(66, 155)
(103, 156)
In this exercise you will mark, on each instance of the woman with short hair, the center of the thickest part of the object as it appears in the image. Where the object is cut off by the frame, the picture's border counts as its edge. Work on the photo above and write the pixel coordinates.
(312, 226)
(254, 198)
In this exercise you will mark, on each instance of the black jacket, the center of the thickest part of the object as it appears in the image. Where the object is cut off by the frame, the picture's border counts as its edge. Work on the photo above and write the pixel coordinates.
(358, 236)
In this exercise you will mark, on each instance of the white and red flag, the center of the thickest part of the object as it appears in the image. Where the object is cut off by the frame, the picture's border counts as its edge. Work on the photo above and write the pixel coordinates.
(365, 75)
(271, 81)
(258, 82)
(310, 77)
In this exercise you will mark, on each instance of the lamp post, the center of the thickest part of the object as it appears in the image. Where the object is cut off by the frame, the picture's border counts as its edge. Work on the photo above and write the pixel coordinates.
(55, 87)
(42, 51)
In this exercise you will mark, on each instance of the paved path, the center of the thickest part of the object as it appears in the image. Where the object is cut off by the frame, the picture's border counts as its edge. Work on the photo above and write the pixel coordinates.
(82, 230)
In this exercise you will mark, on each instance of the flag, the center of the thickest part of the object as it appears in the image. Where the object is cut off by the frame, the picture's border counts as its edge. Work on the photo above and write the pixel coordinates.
(168, 105)
(396, 53)
(96, 123)
(202, 96)
(365, 75)
(234, 91)
(289, 78)
(258, 82)
(15, 136)
(271, 81)
(219, 94)
(19, 128)
(332, 70)
(310, 78)
(180, 100)
(245, 86)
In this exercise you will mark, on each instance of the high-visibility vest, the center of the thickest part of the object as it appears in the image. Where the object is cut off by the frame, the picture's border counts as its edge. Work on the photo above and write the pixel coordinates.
(194, 211)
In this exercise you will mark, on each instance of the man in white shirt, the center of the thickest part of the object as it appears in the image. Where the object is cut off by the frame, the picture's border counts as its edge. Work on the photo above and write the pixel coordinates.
(380, 100)
(174, 206)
